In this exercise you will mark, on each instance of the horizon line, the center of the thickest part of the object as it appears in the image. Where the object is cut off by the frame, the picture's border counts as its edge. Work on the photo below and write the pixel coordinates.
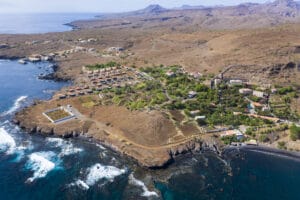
(118, 12)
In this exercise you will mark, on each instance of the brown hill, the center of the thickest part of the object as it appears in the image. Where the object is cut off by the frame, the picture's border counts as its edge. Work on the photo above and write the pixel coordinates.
(247, 15)
(182, 37)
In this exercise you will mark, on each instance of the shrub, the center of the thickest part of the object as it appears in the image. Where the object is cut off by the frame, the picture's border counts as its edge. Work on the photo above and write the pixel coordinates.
(263, 138)
(285, 90)
(281, 145)
(294, 132)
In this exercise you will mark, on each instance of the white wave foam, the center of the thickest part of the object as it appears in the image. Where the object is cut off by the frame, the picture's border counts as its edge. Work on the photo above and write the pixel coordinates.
(21, 150)
(96, 173)
(80, 184)
(101, 147)
(67, 148)
(16, 105)
(7, 143)
(136, 182)
(41, 165)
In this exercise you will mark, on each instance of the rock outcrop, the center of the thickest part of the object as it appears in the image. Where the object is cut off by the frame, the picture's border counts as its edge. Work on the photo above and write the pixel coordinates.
(148, 156)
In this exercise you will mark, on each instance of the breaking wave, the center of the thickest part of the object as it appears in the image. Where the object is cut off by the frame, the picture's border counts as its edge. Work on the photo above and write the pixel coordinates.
(7, 143)
(96, 173)
(41, 164)
(100, 147)
(136, 182)
(81, 184)
(67, 148)
(16, 106)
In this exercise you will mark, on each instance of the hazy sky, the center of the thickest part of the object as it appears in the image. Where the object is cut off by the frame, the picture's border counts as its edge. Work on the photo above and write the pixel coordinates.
(17, 6)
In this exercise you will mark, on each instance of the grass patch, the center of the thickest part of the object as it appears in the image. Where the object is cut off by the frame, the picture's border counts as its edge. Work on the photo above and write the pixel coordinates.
(57, 114)
(89, 104)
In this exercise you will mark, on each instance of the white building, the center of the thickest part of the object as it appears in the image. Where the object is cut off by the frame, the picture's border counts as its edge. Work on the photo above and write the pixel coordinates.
(258, 94)
(192, 94)
(170, 74)
(217, 81)
(239, 135)
(196, 75)
(236, 82)
(195, 112)
(245, 91)
(200, 118)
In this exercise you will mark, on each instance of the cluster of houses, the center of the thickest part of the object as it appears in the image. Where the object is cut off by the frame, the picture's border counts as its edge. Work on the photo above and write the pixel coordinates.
(89, 40)
(37, 58)
(115, 49)
(101, 79)
(248, 91)
(58, 54)
(195, 75)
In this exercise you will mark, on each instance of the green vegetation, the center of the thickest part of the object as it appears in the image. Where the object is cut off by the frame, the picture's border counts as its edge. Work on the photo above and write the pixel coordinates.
(281, 103)
(274, 129)
(227, 118)
(285, 90)
(294, 132)
(263, 138)
(102, 66)
(58, 114)
(169, 89)
(281, 145)
(229, 139)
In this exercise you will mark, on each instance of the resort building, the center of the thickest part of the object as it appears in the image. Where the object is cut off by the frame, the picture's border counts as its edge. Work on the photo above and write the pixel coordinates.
(170, 74)
(245, 91)
(235, 132)
(192, 94)
(259, 94)
(236, 82)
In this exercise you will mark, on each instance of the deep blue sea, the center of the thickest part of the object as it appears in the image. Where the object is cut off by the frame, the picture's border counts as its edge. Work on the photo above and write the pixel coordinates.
(33, 167)
(39, 23)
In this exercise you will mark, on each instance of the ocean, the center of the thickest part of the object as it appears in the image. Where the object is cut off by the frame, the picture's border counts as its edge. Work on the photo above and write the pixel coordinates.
(35, 167)
(39, 23)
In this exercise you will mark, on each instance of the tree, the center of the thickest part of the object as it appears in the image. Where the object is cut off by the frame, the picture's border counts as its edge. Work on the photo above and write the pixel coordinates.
(263, 138)
(281, 145)
(294, 132)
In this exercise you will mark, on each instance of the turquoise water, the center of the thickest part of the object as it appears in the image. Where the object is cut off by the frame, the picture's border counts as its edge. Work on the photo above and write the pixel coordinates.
(39, 23)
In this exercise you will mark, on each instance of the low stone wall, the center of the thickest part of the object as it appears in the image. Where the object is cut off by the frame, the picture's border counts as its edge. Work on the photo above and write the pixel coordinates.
(59, 120)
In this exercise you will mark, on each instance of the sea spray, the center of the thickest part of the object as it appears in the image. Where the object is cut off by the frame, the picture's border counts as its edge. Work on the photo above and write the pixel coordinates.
(96, 173)
(67, 148)
(16, 106)
(41, 163)
(136, 182)
(7, 143)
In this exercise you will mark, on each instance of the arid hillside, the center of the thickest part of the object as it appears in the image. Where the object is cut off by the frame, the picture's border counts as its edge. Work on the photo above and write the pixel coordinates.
(248, 15)
(206, 40)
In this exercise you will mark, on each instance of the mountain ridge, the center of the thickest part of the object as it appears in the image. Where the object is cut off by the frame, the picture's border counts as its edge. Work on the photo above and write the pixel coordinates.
(246, 15)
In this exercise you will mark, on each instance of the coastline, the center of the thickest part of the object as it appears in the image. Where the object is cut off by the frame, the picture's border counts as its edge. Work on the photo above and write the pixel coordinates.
(168, 154)
(67, 70)
(164, 156)
(273, 151)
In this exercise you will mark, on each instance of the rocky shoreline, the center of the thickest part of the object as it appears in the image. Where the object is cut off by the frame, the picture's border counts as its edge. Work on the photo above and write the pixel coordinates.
(193, 146)
(150, 158)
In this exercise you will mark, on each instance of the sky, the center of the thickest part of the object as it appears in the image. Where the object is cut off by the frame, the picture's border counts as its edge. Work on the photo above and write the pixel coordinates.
(101, 6)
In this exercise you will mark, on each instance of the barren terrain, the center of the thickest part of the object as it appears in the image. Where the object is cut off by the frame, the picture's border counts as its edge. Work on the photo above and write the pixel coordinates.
(260, 43)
